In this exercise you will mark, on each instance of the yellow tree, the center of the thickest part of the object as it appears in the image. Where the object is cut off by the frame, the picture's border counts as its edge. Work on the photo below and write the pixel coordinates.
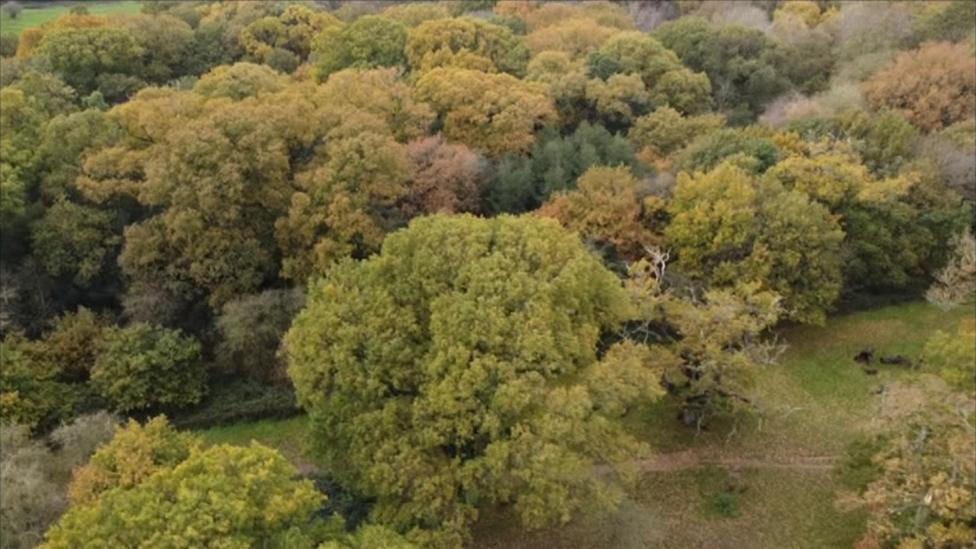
(494, 113)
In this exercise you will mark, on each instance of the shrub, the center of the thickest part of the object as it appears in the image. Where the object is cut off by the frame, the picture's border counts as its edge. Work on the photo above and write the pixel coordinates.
(142, 365)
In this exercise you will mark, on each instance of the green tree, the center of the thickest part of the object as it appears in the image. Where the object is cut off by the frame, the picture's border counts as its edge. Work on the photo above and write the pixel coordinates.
(710, 149)
(949, 21)
(72, 342)
(667, 81)
(522, 184)
(367, 43)
(142, 365)
(660, 134)
(164, 41)
(889, 235)
(729, 227)
(76, 242)
(746, 69)
(224, 496)
(484, 382)
(566, 80)
(83, 56)
(32, 392)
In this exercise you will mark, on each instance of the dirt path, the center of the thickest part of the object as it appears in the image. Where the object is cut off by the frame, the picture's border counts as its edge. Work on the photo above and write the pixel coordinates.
(689, 459)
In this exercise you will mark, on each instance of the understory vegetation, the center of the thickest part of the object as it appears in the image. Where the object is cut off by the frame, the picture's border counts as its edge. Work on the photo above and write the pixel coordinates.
(488, 273)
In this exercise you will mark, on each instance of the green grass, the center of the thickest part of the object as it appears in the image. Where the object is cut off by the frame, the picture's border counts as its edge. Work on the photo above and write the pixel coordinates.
(290, 436)
(35, 17)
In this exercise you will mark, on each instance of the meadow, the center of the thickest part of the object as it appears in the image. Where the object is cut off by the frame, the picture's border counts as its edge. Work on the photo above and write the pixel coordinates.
(36, 16)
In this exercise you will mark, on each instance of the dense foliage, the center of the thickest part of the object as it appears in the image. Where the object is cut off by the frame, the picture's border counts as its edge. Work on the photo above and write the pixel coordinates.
(460, 367)
(688, 177)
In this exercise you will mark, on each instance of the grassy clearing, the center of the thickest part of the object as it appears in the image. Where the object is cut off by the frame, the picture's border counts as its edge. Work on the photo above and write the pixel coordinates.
(290, 436)
(816, 402)
(35, 17)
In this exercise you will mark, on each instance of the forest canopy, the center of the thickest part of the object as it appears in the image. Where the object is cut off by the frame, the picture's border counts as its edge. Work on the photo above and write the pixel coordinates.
(485, 248)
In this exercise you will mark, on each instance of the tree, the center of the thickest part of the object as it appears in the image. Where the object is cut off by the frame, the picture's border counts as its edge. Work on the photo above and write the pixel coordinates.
(165, 42)
(64, 143)
(21, 121)
(8, 45)
(746, 69)
(72, 342)
(35, 471)
(381, 93)
(924, 495)
(619, 99)
(566, 80)
(666, 80)
(467, 44)
(133, 454)
(239, 81)
(142, 365)
(32, 391)
(660, 134)
(713, 338)
(293, 31)
(945, 21)
(412, 14)
(521, 184)
(956, 282)
(32, 37)
(710, 149)
(953, 355)
(84, 56)
(346, 201)
(495, 113)
(610, 207)
(576, 36)
(224, 496)
(444, 178)
(367, 43)
(889, 234)
(76, 242)
(251, 328)
(484, 381)
(931, 86)
(213, 229)
(729, 228)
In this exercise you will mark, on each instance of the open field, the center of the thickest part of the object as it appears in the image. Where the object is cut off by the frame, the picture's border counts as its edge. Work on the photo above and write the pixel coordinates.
(769, 483)
(34, 17)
